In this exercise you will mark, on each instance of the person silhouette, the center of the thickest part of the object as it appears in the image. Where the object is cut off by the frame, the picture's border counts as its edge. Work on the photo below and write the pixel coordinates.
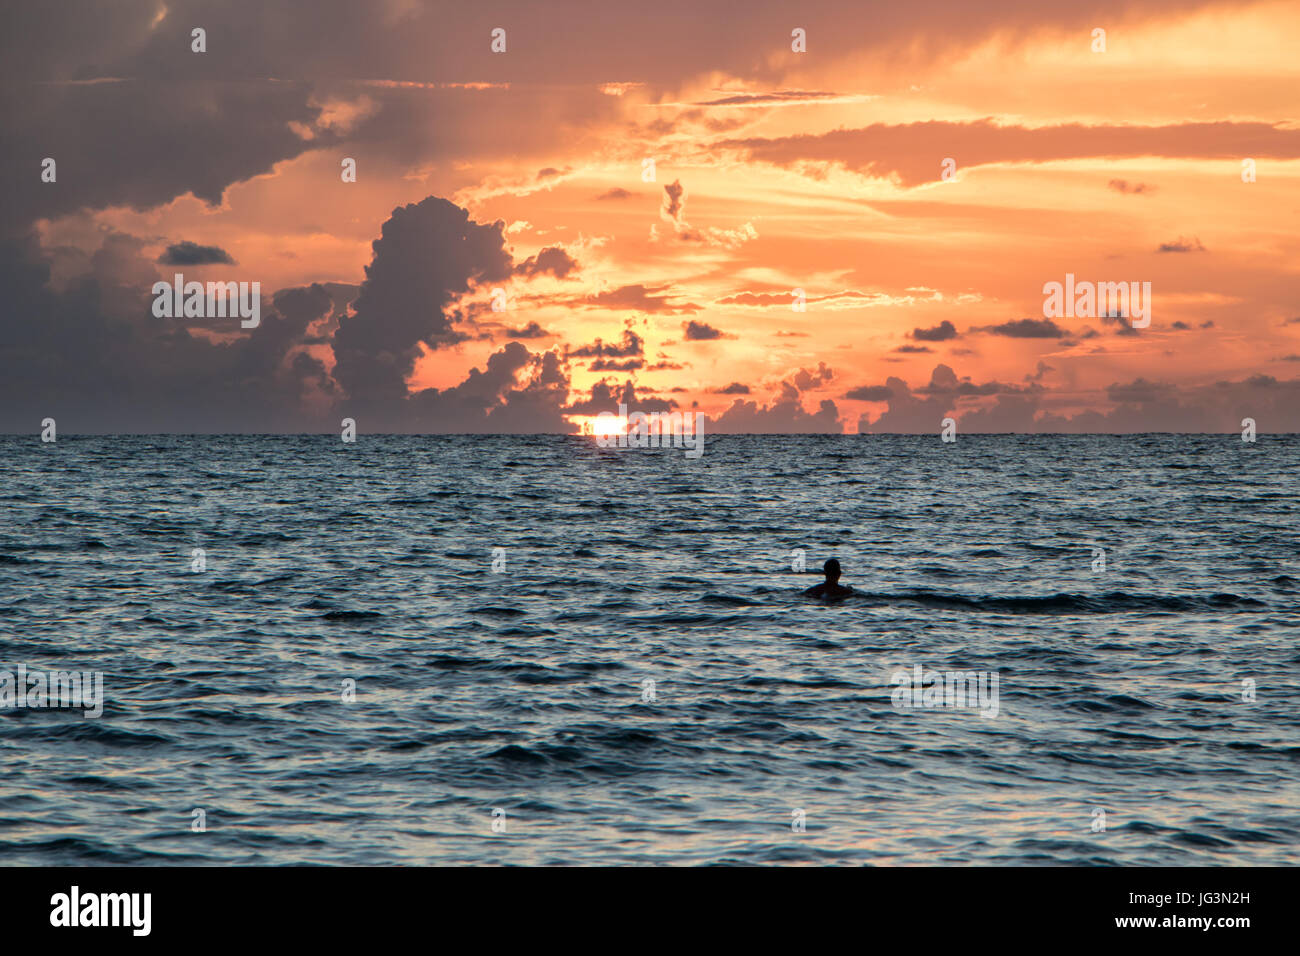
(830, 588)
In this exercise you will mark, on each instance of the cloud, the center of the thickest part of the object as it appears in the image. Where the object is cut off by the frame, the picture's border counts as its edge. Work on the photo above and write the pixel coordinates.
(552, 259)
(774, 98)
(701, 331)
(530, 331)
(641, 298)
(98, 361)
(674, 203)
(1134, 189)
(187, 253)
(942, 332)
(517, 393)
(404, 301)
(631, 345)
(785, 415)
(673, 211)
(611, 365)
(1182, 245)
(1139, 390)
(1140, 405)
(922, 410)
(735, 388)
(870, 393)
(615, 194)
(606, 398)
(807, 379)
(1027, 329)
(846, 299)
(1039, 373)
(907, 151)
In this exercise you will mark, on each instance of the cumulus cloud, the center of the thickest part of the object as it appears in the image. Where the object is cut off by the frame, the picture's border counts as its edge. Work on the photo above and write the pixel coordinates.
(806, 379)
(1139, 405)
(784, 415)
(100, 361)
(517, 393)
(405, 298)
(606, 397)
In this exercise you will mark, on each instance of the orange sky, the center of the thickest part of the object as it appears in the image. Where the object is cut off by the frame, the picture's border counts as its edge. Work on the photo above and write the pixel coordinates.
(817, 171)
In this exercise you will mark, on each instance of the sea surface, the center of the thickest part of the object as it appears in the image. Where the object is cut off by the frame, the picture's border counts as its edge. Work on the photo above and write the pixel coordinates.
(1148, 713)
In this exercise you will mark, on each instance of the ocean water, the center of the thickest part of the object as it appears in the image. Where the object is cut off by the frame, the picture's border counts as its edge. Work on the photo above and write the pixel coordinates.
(519, 696)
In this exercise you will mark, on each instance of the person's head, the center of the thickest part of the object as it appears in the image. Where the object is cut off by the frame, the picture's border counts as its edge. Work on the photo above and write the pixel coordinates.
(832, 569)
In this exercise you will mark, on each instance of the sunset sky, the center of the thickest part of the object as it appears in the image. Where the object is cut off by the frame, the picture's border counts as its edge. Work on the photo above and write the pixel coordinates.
(774, 170)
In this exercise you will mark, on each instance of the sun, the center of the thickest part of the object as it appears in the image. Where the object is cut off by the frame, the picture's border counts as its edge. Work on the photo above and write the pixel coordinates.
(602, 425)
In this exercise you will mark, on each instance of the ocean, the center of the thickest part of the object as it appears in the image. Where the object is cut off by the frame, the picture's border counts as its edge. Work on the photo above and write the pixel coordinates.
(533, 650)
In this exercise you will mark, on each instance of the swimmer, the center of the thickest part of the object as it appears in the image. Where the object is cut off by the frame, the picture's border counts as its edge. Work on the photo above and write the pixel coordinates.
(830, 588)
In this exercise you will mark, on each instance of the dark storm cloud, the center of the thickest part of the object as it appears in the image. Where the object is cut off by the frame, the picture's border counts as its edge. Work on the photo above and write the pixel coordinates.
(188, 253)
(166, 121)
(95, 359)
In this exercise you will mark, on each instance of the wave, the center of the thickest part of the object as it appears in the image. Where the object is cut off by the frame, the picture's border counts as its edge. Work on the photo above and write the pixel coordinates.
(1111, 602)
